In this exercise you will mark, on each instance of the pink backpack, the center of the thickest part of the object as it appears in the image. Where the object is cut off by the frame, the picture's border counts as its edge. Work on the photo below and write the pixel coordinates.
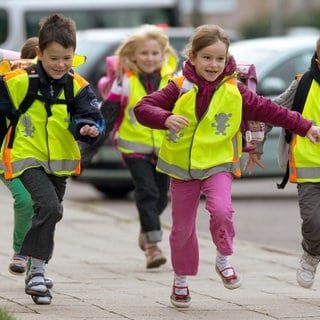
(105, 82)
(252, 131)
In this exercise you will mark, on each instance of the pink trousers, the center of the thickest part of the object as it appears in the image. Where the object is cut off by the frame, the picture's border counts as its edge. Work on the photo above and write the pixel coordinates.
(185, 198)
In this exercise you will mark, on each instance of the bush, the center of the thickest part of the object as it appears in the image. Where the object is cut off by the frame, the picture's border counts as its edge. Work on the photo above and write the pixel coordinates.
(5, 315)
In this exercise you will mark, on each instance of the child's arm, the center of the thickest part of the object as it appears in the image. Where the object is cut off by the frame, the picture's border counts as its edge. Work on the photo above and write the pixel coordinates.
(154, 109)
(86, 117)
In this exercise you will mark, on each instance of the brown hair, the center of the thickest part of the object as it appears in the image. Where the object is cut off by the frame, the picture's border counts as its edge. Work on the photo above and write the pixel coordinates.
(129, 45)
(57, 28)
(205, 36)
(28, 49)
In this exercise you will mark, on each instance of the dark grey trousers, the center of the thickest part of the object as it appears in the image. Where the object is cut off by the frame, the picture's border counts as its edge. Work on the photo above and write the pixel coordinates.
(309, 203)
(151, 195)
(47, 192)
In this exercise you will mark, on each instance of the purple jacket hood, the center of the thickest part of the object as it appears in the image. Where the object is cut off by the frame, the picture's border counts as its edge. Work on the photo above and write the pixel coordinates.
(189, 72)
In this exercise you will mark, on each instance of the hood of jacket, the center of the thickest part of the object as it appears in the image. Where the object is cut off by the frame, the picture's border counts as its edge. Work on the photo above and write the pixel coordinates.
(206, 88)
(189, 72)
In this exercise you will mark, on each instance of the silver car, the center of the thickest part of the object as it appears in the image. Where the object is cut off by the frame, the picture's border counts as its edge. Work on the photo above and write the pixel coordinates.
(277, 61)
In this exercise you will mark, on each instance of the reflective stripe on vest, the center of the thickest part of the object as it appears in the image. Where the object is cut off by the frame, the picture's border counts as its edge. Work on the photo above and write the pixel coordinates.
(209, 145)
(304, 159)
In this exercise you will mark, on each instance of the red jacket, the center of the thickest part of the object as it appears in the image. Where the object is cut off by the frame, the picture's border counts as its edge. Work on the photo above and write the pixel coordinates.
(153, 109)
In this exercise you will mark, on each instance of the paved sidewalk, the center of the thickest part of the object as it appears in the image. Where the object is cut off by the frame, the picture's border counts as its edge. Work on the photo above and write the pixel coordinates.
(99, 273)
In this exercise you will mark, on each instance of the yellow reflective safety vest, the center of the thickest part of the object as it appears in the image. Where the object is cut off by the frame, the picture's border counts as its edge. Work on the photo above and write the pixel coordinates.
(208, 145)
(133, 137)
(304, 156)
(39, 140)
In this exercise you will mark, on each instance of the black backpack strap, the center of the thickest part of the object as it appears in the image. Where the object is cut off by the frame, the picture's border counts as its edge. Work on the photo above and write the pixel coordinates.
(285, 178)
(300, 98)
(68, 92)
(32, 92)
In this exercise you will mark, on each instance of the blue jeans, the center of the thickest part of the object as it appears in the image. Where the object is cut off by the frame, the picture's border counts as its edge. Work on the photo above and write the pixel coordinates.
(47, 192)
(151, 195)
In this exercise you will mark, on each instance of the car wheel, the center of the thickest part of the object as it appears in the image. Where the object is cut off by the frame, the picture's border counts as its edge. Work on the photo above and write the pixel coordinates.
(114, 192)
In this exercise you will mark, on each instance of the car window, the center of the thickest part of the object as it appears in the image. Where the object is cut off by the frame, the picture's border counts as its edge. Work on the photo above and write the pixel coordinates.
(291, 67)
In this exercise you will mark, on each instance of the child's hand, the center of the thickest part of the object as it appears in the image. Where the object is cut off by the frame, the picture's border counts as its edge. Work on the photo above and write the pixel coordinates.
(252, 160)
(314, 134)
(176, 122)
(90, 131)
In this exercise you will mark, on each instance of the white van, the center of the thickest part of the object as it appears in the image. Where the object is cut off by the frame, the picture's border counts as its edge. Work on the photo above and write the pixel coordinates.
(19, 19)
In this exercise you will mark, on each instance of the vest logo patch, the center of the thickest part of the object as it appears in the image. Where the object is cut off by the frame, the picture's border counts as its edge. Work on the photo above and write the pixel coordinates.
(174, 136)
(28, 128)
(221, 123)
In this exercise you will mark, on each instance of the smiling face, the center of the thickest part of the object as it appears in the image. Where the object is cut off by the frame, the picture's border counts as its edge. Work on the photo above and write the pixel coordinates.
(210, 61)
(56, 60)
(148, 56)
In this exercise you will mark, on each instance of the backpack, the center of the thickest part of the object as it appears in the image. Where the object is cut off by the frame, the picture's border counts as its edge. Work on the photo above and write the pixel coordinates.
(252, 131)
(32, 95)
(105, 82)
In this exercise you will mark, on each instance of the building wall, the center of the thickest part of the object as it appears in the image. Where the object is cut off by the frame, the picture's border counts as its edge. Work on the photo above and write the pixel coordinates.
(248, 10)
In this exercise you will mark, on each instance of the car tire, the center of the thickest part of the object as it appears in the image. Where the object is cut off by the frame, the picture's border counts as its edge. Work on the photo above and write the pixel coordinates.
(114, 192)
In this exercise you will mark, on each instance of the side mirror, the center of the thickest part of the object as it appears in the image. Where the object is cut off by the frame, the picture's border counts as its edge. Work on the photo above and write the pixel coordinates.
(271, 86)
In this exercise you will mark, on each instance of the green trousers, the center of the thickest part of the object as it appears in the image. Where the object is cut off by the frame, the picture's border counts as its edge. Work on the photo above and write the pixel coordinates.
(23, 210)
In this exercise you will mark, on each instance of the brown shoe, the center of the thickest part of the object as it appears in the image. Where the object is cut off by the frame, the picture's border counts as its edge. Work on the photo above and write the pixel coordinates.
(154, 256)
(141, 242)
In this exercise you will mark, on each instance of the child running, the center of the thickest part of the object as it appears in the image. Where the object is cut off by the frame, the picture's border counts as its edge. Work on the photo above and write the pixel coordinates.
(298, 158)
(40, 147)
(202, 113)
(145, 63)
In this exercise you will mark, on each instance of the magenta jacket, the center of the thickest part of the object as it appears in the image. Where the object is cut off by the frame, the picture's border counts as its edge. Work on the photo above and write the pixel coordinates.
(153, 109)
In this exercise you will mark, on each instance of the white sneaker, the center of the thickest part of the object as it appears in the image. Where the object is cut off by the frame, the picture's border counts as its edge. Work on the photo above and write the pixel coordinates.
(307, 270)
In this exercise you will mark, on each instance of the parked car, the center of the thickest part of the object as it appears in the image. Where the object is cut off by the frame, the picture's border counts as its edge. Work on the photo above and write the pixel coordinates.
(277, 61)
(96, 44)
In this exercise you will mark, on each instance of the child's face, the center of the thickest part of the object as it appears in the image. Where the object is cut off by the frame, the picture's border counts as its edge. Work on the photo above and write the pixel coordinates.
(56, 60)
(210, 61)
(148, 56)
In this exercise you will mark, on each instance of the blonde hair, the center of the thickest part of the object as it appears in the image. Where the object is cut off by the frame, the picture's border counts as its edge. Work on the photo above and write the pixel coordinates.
(205, 36)
(128, 47)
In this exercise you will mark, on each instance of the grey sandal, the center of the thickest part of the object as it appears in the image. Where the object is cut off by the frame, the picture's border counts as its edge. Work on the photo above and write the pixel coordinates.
(47, 281)
(36, 288)
(42, 299)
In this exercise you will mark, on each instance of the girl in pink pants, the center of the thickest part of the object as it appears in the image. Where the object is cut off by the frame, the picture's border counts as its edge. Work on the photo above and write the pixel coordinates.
(202, 111)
